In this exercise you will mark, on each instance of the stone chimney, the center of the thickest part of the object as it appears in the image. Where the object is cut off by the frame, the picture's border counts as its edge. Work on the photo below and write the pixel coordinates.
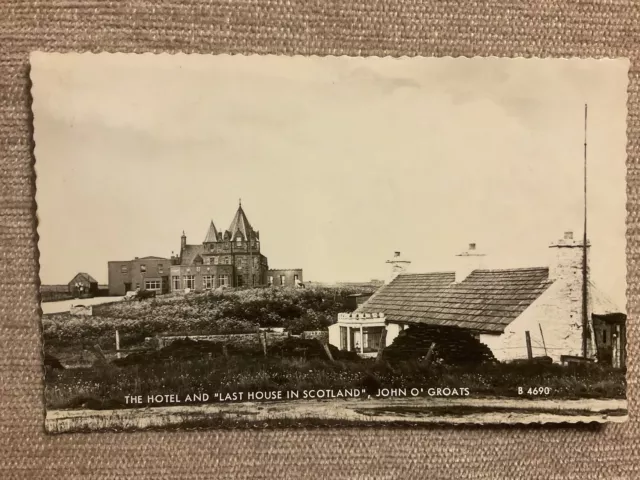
(183, 241)
(398, 265)
(468, 261)
(567, 257)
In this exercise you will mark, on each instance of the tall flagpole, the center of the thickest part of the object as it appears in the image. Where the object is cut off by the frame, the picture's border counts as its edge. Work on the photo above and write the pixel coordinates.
(585, 274)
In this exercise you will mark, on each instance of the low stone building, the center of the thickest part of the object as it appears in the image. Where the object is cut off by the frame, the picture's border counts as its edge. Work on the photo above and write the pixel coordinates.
(288, 277)
(501, 307)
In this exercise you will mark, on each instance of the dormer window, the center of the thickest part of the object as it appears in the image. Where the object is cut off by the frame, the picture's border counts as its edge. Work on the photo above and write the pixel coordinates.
(239, 241)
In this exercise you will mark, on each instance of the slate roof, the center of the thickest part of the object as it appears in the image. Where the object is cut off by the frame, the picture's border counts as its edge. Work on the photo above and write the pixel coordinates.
(241, 224)
(212, 234)
(487, 300)
(189, 254)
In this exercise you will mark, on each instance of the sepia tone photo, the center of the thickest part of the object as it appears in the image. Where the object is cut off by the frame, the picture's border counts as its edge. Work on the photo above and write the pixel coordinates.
(269, 241)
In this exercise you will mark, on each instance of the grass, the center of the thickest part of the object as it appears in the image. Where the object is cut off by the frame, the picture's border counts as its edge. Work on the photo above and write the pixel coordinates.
(105, 386)
(213, 313)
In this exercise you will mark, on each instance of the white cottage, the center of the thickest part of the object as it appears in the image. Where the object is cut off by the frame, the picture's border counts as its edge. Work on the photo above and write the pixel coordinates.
(498, 306)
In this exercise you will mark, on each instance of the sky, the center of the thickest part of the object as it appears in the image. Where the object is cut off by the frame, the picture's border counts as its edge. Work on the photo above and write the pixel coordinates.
(338, 161)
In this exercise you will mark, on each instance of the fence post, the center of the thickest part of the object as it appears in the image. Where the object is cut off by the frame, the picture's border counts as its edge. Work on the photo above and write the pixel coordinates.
(117, 344)
(528, 339)
(382, 344)
(429, 357)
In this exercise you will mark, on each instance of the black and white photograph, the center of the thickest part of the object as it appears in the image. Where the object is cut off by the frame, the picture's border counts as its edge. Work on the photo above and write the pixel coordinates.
(263, 241)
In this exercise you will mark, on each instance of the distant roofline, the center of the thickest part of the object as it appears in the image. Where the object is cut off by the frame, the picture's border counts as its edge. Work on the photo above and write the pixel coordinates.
(519, 269)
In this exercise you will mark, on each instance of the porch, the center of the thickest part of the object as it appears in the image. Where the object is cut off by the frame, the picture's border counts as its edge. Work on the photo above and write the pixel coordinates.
(362, 333)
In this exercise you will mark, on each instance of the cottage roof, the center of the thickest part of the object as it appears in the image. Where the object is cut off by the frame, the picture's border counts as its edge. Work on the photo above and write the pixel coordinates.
(487, 300)
(189, 254)
(212, 234)
(241, 224)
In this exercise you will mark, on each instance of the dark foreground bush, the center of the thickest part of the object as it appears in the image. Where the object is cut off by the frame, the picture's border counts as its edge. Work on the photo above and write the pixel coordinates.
(453, 346)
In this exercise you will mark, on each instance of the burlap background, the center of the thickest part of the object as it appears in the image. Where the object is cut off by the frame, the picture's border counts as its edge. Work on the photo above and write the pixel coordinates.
(322, 27)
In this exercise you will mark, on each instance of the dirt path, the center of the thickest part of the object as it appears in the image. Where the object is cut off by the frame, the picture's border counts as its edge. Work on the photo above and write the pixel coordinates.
(419, 410)
(64, 305)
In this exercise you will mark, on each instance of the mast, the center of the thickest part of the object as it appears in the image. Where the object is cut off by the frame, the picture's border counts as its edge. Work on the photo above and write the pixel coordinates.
(585, 274)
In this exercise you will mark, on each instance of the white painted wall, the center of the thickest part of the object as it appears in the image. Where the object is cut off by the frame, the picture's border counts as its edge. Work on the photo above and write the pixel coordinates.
(334, 335)
(558, 311)
(393, 330)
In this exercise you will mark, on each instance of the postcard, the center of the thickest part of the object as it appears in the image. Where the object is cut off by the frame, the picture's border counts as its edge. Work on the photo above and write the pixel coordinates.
(232, 241)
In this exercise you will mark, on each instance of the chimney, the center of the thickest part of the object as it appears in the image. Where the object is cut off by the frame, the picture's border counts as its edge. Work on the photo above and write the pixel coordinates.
(468, 261)
(398, 265)
(183, 241)
(566, 258)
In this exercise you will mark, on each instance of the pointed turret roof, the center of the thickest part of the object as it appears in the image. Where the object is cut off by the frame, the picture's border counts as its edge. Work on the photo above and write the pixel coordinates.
(212, 234)
(240, 223)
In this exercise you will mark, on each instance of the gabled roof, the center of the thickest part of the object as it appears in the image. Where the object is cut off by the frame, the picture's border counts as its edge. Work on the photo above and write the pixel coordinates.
(241, 224)
(212, 234)
(189, 254)
(152, 258)
(85, 276)
(487, 300)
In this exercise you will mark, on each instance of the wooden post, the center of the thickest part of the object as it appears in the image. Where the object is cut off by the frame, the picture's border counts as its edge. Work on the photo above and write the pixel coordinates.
(382, 344)
(361, 340)
(97, 351)
(117, 344)
(263, 342)
(429, 357)
(543, 344)
(529, 351)
(326, 349)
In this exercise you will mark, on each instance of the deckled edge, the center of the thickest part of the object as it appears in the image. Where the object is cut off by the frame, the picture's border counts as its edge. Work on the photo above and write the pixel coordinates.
(35, 224)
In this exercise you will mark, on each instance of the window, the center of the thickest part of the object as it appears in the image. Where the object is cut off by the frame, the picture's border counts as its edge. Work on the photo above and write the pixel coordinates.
(207, 281)
(215, 260)
(198, 269)
(223, 280)
(189, 282)
(152, 284)
(124, 269)
(295, 278)
(240, 281)
(227, 260)
(282, 280)
(255, 261)
(239, 241)
(270, 280)
(143, 268)
(343, 338)
(175, 281)
(604, 336)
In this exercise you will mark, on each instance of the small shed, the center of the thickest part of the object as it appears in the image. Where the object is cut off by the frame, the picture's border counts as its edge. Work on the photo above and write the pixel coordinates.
(83, 284)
